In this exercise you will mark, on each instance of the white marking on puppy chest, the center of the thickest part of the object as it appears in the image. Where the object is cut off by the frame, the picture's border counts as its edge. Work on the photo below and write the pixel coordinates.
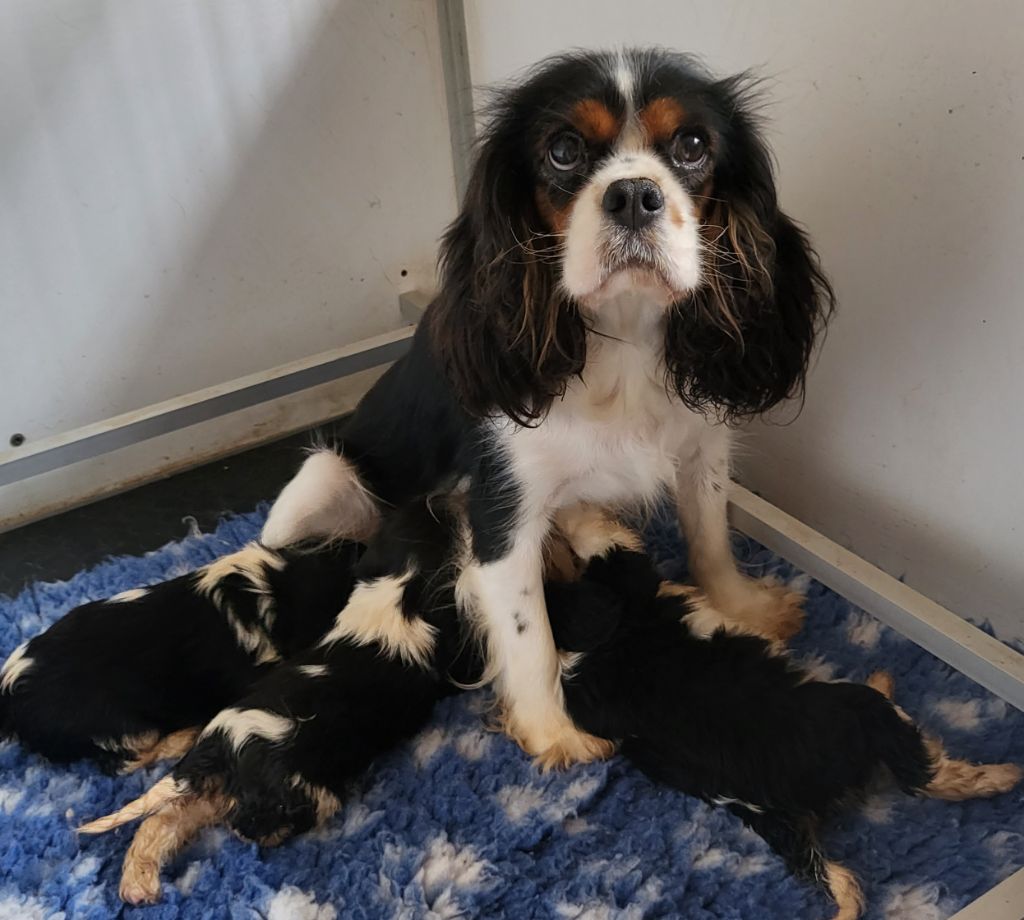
(14, 668)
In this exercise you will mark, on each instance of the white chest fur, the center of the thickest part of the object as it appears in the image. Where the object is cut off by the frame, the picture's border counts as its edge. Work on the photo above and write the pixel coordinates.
(617, 435)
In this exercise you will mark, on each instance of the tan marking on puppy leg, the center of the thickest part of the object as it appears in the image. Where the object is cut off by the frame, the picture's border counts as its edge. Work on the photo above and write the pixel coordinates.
(593, 531)
(956, 780)
(169, 747)
(156, 798)
(158, 840)
(845, 890)
(882, 682)
(325, 801)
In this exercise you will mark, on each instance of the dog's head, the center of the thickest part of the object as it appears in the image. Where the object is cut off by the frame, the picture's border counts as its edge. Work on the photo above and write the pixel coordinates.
(634, 170)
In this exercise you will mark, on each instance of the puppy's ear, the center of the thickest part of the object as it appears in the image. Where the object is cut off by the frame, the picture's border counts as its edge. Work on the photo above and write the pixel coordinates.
(507, 338)
(742, 341)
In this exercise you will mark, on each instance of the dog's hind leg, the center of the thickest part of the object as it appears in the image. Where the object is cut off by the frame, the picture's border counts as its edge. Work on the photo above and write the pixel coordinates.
(158, 797)
(954, 780)
(160, 837)
(795, 839)
(845, 890)
(326, 500)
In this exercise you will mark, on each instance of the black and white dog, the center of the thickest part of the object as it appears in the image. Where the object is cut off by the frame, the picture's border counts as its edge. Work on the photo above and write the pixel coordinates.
(648, 666)
(131, 679)
(618, 286)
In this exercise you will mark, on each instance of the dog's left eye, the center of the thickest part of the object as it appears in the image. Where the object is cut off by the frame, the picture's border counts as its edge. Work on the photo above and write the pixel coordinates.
(566, 151)
(688, 148)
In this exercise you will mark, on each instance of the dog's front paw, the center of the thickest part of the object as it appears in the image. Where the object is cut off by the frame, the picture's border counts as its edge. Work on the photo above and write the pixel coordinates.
(560, 744)
(574, 747)
(764, 607)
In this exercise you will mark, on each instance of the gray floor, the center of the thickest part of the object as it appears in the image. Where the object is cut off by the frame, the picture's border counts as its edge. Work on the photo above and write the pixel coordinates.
(147, 517)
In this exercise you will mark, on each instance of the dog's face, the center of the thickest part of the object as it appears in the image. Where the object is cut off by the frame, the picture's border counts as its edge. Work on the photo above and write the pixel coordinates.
(624, 176)
(608, 171)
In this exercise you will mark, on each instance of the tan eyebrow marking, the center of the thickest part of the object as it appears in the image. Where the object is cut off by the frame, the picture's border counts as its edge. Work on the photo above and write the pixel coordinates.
(661, 118)
(595, 121)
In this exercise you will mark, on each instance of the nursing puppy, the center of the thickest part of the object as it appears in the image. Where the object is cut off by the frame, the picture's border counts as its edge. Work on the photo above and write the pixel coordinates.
(130, 680)
(619, 285)
(279, 759)
(649, 666)
(730, 719)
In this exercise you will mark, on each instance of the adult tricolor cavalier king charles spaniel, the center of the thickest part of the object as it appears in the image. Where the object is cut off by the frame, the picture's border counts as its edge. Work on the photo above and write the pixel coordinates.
(618, 286)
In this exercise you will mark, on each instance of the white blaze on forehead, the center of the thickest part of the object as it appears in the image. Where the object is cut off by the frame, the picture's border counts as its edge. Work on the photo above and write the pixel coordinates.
(625, 81)
(14, 668)
(631, 136)
(240, 726)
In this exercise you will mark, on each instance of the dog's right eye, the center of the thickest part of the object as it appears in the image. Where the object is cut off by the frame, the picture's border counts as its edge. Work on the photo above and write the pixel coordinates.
(566, 151)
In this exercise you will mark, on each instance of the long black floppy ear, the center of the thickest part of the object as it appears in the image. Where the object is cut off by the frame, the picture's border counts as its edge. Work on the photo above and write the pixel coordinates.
(742, 342)
(507, 338)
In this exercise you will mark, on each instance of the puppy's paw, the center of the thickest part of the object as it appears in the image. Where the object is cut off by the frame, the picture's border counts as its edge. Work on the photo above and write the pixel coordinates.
(140, 881)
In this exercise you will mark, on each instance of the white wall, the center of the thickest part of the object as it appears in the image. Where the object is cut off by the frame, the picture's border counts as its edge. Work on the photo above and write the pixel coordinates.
(195, 190)
(899, 129)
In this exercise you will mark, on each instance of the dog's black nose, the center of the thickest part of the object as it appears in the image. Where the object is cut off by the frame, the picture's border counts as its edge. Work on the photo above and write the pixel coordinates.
(633, 203)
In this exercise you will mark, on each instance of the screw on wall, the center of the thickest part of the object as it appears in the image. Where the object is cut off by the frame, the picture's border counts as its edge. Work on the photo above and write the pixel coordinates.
(17, 439)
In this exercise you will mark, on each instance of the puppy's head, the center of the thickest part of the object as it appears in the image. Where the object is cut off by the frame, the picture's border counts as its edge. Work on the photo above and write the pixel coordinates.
(608, 173)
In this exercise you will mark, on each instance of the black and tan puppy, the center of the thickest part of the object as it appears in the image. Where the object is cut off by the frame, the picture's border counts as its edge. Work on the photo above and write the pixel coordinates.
(131, 679)
(728, 718)
(648, 665)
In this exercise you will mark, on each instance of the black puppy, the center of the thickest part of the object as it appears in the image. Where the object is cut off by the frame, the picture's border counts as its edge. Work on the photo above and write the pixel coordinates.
(277, 761)
(646, 664)
(724, 717)
(131, 679)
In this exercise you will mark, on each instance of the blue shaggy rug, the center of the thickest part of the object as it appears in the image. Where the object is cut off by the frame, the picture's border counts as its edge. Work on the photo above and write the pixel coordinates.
(459, 824)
